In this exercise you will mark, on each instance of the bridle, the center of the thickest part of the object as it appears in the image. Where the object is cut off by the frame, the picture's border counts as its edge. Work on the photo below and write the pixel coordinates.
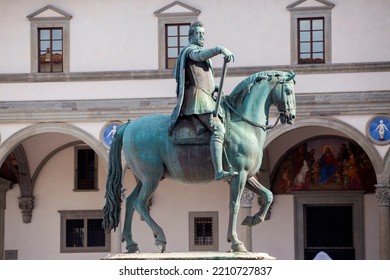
(259, 125)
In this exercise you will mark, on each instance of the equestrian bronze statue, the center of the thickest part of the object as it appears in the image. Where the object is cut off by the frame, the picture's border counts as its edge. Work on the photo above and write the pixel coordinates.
(153, 153)
(206, 135)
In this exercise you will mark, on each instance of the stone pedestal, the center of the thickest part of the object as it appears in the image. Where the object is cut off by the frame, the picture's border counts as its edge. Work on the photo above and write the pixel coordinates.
(190, 256)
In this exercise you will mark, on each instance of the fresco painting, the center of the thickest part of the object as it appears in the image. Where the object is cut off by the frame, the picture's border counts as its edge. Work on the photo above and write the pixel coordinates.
(324, 164)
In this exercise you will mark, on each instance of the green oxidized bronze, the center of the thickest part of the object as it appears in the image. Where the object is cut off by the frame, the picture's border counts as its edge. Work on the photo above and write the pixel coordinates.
(199, 140)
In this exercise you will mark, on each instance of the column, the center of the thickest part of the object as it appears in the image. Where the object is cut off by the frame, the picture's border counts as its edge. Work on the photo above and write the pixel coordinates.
(246, 210)
(4, 187)
(382, 194)
(116, 240)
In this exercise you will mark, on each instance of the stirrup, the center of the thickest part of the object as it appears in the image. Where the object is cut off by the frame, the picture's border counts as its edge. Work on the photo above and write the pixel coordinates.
(224, 174)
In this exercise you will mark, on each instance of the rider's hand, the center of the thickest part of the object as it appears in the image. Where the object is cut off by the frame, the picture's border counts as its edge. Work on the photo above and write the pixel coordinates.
(228, 55)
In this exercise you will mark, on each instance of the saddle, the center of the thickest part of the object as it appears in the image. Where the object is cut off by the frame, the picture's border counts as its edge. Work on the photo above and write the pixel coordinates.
(190, 131)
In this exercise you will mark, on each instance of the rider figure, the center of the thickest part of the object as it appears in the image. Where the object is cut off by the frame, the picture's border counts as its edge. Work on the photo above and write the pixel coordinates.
(195, 88)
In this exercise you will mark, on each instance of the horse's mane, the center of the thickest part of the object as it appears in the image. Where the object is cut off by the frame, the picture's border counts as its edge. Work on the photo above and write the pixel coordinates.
(243, 89)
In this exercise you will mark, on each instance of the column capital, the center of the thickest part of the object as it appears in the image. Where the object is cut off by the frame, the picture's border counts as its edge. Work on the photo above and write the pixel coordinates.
(382, 194)
(247, 198)
(26, 205)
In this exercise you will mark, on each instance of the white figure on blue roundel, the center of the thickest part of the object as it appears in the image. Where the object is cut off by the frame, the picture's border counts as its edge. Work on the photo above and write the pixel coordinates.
(109, 132)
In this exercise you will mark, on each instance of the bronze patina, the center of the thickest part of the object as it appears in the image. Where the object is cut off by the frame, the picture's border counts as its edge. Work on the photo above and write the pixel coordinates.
(152, 155)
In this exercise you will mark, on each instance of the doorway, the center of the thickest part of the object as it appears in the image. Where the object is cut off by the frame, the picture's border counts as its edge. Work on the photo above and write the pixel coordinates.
(331, 222)
(329, 228)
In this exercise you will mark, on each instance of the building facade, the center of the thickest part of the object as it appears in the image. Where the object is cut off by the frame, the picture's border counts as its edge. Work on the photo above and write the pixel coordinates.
(71, 72)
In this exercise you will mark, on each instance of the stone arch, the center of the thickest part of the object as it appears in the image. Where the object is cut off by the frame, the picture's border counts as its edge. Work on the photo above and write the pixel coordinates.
(339, 126)
(26, 200)
(61, 128)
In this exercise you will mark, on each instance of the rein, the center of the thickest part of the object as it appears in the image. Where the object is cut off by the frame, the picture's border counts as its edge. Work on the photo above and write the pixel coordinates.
(265, 127)
(255, 124)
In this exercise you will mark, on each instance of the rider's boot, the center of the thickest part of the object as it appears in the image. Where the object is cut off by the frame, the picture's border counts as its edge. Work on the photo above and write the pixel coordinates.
(216, 149)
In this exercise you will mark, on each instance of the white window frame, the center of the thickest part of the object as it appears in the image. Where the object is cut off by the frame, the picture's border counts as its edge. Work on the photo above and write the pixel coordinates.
(190, 15)
(214, 216)
(61, 20)
(85, 215)
(297, 12)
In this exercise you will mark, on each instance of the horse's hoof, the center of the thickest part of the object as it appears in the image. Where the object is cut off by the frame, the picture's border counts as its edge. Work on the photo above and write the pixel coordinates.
(251, 221)
(132, 248)
(239, 247)
(161, 245)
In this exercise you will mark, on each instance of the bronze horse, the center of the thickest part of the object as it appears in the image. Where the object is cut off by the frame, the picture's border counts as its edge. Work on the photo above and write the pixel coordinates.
(152, 156)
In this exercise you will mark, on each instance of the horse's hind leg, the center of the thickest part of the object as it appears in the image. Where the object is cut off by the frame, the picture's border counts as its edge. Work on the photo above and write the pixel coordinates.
(148, 188)
(127, 235)
(253, 185)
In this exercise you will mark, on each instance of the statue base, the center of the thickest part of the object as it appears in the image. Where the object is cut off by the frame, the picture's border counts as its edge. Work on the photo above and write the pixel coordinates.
(189, 256)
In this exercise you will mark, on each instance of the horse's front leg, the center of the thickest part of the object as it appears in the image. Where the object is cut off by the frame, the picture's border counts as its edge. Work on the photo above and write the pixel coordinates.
(237, 185)
(267, 198)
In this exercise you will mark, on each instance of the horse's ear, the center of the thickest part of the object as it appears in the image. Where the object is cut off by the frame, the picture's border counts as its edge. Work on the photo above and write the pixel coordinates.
(290, 76)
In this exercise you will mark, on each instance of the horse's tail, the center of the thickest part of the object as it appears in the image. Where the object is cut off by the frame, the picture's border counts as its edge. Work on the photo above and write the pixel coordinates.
(112, 209)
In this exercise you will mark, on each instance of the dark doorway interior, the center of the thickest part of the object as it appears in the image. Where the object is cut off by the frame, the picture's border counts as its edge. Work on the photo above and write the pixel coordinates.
(329, 228)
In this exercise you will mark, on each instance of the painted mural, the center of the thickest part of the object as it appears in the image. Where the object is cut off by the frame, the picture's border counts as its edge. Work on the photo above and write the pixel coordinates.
(324, 164)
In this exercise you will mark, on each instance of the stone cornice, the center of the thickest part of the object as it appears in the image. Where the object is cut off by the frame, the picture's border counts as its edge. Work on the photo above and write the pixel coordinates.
(308, 104)
(167, 74)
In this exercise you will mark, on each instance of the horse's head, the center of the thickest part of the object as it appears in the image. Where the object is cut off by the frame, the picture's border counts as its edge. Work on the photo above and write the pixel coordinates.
(283, 97)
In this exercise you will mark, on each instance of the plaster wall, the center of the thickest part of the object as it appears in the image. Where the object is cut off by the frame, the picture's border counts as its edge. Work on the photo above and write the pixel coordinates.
(87, 90)
(108, 38)
(8, 129)
(41, 145)
(313, 83)
(276, 236)
(362, 31)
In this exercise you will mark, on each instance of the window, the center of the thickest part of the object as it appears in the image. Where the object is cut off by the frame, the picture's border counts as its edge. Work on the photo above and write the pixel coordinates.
(49, 29)
(173, 24)
(82, 231)
(311, 32)
(176, 39)
(203, 231)
(86, 162)
(329, 221)
(311, 40)
(50, 50)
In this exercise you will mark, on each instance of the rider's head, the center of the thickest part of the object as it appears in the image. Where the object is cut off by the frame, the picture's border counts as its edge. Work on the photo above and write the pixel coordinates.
(196, 33)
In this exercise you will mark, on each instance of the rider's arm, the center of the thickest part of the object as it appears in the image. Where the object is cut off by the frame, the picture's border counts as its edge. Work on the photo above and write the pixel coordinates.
(205, 54)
